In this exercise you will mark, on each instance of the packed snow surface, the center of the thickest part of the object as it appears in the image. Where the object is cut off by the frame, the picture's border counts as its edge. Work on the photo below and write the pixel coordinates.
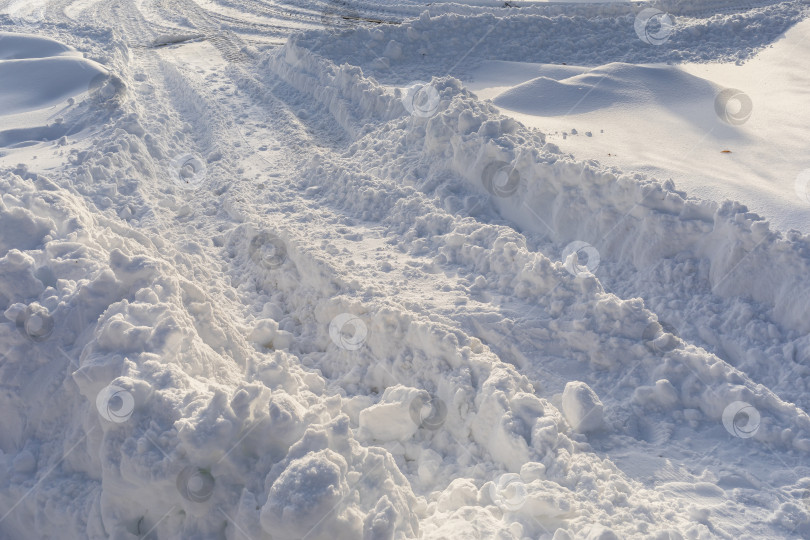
(391, 270)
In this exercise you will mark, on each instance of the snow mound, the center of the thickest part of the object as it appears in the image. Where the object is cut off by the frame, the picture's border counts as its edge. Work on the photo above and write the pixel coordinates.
(15, 46)
(33, 84)
(42, 84)
(612, 85)
(38, 73)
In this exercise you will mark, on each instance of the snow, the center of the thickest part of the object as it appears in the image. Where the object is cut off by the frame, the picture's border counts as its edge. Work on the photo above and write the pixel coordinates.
(582, 408)
(675, 133)
(356, 283)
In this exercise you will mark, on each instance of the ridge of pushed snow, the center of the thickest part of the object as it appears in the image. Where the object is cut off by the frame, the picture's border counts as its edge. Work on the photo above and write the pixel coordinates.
(768, 266)
(449, 43)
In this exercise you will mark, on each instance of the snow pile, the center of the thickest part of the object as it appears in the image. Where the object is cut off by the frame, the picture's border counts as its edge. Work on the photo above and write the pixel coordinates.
(395, 313)
(712, 128)
(614, 85)
(41, 81)
(564, 191)
(459, 143)
(140, 402)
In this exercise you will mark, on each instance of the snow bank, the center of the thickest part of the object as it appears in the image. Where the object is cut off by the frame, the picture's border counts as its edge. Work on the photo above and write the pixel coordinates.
(351, 98)
(43, 85)
(585, 35)
(629, 219)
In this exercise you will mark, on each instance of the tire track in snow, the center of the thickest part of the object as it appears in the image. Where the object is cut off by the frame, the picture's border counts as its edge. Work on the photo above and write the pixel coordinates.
(338, 273)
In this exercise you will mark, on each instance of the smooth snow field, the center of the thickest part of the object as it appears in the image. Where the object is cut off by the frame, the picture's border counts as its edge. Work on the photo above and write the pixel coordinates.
(349, 269)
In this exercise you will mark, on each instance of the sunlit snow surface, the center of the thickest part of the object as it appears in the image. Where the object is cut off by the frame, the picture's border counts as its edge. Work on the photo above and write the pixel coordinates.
(392, 270)
(675, 132)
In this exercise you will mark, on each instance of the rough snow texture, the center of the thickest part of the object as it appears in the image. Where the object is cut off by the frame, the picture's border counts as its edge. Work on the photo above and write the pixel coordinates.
(199, 307)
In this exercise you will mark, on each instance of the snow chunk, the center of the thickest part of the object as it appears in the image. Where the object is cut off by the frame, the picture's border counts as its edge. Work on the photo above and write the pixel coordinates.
(306, 500)
(460, 493)
(390, 419)
(266, 333)
(582, 407)
(663, 395)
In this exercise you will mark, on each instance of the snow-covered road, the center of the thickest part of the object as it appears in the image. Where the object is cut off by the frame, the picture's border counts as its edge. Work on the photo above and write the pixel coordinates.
(272, 270)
